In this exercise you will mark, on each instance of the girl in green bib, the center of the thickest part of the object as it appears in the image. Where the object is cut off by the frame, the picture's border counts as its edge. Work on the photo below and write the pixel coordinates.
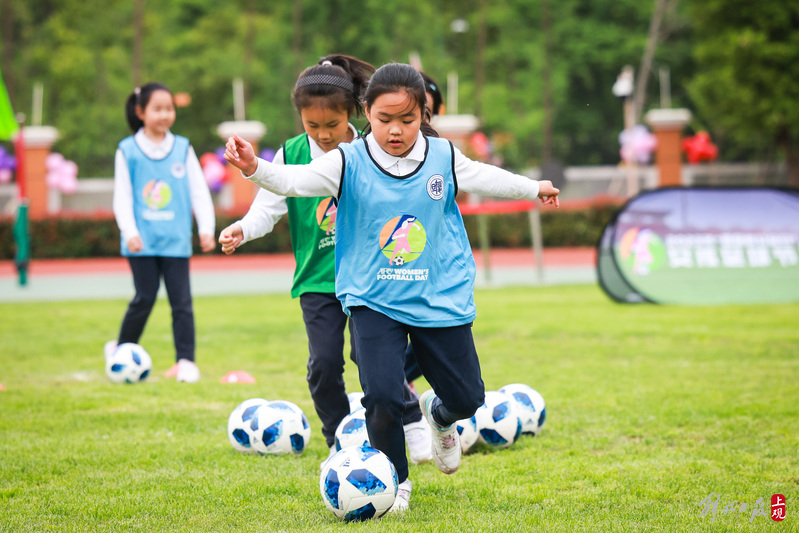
(326, 95)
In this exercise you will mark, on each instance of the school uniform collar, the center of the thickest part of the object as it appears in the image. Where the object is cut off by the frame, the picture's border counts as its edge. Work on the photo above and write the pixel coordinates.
(152, 149)
(386, 160)
(316, 150)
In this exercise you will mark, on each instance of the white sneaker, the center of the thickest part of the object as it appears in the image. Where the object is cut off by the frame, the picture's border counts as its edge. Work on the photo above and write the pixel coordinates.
(331, 454)
(419, 439)
(188, 371)
(446, 442)
(109, 349)
(403, 497)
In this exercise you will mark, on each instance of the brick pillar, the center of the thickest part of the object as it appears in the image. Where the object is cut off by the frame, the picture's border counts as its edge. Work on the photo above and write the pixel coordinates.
(38, 140)
(456, 128)
(238, 192)
(667, 125)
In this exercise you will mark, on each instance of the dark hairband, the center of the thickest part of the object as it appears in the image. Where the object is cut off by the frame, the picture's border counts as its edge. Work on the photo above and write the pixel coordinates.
(325, 79)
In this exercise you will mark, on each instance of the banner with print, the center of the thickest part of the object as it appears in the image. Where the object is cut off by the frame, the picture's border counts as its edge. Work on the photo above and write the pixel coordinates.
(703, 246)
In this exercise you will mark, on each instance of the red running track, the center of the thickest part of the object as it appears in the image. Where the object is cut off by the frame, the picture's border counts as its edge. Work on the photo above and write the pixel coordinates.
(203, 263)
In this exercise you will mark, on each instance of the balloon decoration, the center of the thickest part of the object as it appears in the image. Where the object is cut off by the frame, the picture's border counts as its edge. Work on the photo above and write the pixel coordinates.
(214, 171)
(62, 174)
(481, 145)
(7, 165)
(637, 145)
(699, 148)
(267, 154)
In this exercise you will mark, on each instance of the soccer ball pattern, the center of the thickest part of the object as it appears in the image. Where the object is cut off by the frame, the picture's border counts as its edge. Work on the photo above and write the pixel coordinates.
(532, 408)
(358, 483)
(467, 429)
(130, 363)
(355, 400)
(498, 421)
(279, 427)
(239, 424)
(351, 431)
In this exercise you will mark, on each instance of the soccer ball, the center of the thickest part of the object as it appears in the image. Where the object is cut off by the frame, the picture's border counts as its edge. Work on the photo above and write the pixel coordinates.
(355, 401)
(498, 421)
(239, 429)
(467, 429)
(130, 363)
(279, 427)
(532, 408)
(358, 483)
(351, 431)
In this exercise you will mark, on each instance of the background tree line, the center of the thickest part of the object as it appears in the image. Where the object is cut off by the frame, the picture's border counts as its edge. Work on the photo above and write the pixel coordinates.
(538, 73)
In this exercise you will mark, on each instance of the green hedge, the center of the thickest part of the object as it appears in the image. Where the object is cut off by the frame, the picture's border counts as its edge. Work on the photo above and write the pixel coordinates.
(99, 236)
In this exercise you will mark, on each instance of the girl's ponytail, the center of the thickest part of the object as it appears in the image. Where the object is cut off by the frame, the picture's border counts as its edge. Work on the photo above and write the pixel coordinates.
(337, 79)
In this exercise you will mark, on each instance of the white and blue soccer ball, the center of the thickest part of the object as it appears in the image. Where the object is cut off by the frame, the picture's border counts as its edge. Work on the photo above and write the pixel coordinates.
(532, 408)
(279, 427)
(130, 363)
(467, 430)
(239, 424)
(351, 431)
(355, 401)
(498, 422)
(358, 483)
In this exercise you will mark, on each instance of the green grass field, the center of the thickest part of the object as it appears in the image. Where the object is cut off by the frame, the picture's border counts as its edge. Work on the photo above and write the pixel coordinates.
(650, 409)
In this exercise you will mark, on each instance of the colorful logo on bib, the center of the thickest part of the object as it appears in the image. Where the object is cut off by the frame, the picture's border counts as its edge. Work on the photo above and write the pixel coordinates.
(326, 215)
(402, 240)
(642, 250)
(157, 194)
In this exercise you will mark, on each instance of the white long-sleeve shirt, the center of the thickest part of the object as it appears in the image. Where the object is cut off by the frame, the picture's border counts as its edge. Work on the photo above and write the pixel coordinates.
(268, 207)
(322, 176)
(201, 202)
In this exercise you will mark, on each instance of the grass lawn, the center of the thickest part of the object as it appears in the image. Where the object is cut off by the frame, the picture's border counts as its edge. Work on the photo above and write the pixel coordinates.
(650, 410)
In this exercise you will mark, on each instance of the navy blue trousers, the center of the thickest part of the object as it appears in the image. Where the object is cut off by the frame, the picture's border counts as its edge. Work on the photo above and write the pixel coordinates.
(147, 274)
(447, 358)
(325, 323)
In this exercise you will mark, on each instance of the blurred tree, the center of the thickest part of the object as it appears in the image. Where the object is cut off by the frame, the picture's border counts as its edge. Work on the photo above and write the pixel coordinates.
(747, 59)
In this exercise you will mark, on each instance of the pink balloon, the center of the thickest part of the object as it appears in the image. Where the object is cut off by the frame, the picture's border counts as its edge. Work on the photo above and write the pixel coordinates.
(53, 179)
(70, 168)
(69, 183)
(5, 175)
(53, 160)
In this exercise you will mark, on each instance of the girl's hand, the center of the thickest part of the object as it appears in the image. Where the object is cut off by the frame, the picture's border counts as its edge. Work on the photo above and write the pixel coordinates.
(207, 242)
(548, 193)
(135, 244)
(241, 155)
(230, 238)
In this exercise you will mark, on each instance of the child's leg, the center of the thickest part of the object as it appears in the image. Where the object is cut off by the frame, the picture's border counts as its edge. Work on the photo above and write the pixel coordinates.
(178, 289)
(324, 324)
(146, 279)
(380, 342)
(449, 362)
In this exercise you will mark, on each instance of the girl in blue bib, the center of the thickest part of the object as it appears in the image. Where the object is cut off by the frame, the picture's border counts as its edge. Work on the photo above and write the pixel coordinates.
(404, 266)
(158, 183)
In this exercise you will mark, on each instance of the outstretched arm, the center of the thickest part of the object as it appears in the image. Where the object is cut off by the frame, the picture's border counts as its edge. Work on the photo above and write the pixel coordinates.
(321, 177)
